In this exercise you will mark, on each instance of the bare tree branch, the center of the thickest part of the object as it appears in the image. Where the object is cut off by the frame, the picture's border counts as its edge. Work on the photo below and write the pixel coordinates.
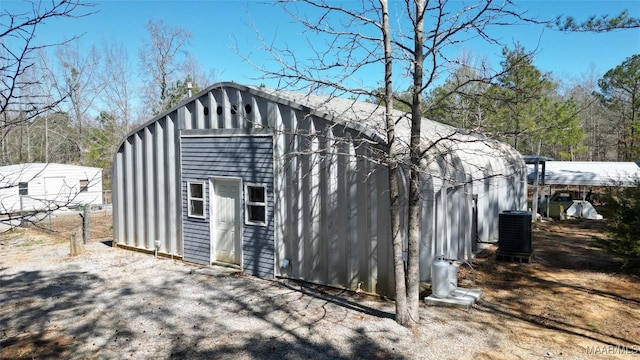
(348, 39)
(19, 54)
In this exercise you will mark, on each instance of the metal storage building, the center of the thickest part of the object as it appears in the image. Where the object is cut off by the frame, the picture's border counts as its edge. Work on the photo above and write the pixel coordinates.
(43, 186)
(290, 184)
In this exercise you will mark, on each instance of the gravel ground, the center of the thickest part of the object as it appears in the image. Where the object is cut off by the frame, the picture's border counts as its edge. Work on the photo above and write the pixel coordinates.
(113, 303)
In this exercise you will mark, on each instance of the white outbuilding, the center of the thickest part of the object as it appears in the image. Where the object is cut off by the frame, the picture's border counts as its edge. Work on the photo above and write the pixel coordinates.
(295, 185)
(39, 187)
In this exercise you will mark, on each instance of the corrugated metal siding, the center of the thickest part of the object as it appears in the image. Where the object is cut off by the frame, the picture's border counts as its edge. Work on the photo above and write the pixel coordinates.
(146, 201)
(488, 169)
(331, 205)
(247, 157)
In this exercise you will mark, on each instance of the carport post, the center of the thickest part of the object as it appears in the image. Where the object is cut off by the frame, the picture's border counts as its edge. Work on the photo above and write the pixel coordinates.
(534, 200)
(85, 224)
(536, 160)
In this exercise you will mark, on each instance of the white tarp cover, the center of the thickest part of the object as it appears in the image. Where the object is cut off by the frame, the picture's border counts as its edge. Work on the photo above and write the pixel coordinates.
(588, 173)
(583, 209)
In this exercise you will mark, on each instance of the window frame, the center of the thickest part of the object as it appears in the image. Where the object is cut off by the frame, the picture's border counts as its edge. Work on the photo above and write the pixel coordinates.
(23, 188)
(191, 198)
(84, 188)
(248, 203)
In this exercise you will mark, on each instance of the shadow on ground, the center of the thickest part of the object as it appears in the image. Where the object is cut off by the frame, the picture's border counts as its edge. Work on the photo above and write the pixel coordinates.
(69, 313)
(572, 286)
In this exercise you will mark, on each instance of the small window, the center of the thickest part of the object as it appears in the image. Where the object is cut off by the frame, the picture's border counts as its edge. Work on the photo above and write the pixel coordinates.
(84, 185)
(195, 199)
(23, 188)
(256, 202)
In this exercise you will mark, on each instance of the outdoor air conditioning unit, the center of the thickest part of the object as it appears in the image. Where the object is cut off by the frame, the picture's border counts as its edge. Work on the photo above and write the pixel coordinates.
(514, 232)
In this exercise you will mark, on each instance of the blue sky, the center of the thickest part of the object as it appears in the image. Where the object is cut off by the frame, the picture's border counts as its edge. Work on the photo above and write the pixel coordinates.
(217, 25)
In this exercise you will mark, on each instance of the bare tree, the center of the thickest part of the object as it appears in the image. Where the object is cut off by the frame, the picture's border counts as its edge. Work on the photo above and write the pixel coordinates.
(619, 91)
(118, 93)
(78, 81)
(194, 71)
(160, 61)
(344, 41)
(394, 186)
(597, 121)
(464, 104)
(24, 97)
(19, 52)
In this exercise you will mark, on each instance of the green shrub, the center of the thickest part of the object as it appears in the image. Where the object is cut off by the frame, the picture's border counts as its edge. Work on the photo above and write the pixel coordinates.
(623, 224)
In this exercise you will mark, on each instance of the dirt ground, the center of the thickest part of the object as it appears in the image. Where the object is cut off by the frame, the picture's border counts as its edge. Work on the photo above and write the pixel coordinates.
(572, 293)
(569, 302)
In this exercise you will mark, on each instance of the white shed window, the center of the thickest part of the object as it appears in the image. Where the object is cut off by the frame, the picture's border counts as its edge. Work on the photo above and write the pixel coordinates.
(84, 185)
(195, 198)
(256, 204)
(23, 188)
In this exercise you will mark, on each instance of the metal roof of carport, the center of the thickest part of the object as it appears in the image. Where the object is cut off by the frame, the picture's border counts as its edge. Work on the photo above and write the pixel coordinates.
(589, 173)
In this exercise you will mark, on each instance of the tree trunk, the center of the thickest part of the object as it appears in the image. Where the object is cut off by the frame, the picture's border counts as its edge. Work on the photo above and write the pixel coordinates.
(402, 307)
(402, 317)
(20, 156)
(46, 139)
(413, 248)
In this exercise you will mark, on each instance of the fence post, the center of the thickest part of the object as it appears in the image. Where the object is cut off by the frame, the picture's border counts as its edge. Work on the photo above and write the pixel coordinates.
(85, 224)
(22, 222)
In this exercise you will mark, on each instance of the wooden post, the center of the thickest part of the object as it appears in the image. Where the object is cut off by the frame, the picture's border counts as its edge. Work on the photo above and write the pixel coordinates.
(77, 245)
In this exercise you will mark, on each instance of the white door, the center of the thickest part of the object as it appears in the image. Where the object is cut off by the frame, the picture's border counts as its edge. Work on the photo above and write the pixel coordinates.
(226, 220)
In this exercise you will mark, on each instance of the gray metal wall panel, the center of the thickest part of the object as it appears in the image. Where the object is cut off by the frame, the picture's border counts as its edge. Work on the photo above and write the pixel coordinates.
(129, 197)
(249, 158)
(145, 173)
(161, 181)
(118, 197)
(149, 188)
(326, 186)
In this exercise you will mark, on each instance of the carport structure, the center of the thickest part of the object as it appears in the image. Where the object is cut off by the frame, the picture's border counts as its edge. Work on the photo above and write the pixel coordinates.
(583, 174)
